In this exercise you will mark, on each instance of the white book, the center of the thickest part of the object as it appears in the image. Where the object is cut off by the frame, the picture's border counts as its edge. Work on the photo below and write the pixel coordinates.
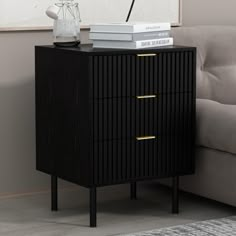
(129, 36)
(129, 27)
(133, 45)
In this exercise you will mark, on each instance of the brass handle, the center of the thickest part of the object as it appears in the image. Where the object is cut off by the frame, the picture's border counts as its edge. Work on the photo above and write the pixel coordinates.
(146, 96)
(147, 55)
(145, 138)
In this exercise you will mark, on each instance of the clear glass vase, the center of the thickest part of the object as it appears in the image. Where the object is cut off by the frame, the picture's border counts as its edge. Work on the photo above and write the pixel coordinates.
(66, 30)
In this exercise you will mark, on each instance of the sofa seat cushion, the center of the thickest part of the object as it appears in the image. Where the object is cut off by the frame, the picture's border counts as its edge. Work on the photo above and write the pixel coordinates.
(216, 125)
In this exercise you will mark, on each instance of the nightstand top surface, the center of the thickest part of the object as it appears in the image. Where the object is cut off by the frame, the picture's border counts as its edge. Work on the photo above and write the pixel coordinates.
(88, 48)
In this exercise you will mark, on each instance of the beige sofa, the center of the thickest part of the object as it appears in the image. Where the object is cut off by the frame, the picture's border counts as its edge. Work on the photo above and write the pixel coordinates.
(215, 176)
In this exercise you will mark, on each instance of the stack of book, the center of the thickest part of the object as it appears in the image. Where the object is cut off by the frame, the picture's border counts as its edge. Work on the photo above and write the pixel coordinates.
(131, 35)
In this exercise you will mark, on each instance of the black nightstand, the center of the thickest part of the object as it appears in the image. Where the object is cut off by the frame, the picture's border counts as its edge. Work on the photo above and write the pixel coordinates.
(106, 117)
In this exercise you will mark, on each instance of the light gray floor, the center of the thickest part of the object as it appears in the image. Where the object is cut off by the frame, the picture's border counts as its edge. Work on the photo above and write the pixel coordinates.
(30, 215)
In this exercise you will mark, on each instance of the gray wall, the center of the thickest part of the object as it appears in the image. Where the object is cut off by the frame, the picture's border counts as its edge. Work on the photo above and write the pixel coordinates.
(17, 123)
(17, 112)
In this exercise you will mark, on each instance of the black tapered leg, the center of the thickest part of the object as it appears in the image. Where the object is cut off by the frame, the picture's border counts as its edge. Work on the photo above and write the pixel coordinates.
(54, 199)
(175, 195)
(93, 207)
(133, 190)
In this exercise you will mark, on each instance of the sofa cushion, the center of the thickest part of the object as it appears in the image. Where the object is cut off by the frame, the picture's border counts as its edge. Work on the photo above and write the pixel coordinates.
(216, 125)
(216, 60)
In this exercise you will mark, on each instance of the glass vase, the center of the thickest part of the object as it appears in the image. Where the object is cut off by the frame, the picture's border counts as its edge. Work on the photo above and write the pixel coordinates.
(66, 30)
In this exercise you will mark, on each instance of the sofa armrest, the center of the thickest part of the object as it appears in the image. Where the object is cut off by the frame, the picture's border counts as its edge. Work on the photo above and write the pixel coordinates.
(216, 125)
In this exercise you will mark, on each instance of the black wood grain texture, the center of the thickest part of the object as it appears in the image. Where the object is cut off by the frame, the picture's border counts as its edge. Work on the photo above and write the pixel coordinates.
(88, 115)
(63, 129)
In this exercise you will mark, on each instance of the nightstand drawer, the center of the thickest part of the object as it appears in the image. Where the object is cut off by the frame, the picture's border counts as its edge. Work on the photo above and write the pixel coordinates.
(128, 75)
(124, 118)
(148, 115)
(116, 161)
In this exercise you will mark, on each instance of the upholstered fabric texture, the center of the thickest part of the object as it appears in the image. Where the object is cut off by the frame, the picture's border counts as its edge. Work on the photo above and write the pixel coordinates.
(216, 83)
(216, 60)
(216, 125)
(214, 177)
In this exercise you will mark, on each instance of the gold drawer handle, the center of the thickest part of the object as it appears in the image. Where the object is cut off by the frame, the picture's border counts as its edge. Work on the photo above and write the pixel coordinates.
(147, 55)
(146, 96)
(145, 138)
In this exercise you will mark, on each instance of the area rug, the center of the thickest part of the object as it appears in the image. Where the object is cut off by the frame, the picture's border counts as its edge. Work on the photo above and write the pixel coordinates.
(219, 227)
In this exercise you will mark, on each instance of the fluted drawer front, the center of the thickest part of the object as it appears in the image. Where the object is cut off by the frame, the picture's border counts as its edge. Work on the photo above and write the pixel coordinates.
(117, 161)
(132, 75)
(120, 118)
(125, 118)
(176, 113)
(176, 72)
